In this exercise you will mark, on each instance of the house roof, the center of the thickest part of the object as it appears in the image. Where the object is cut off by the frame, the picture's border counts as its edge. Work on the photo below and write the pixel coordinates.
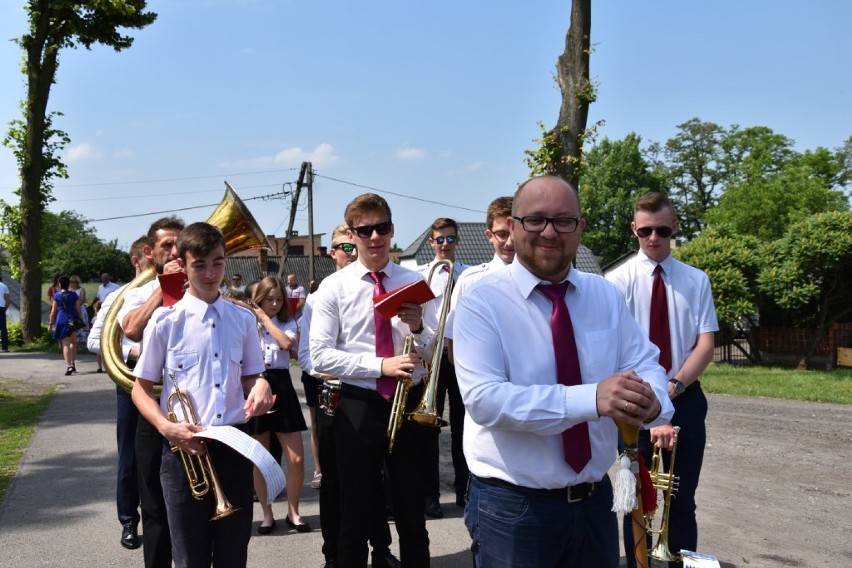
(474, 248)
(249, 267)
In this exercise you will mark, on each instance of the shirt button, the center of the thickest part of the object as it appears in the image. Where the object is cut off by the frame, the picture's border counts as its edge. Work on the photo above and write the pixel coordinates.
(218, 416)
(215, 354)
(214, 325)
(217, 385)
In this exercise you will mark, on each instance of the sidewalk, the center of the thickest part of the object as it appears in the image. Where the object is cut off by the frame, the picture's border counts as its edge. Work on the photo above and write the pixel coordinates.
(60, 508)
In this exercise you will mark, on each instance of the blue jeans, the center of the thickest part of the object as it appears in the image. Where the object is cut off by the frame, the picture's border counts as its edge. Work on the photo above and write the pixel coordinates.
(516, 530)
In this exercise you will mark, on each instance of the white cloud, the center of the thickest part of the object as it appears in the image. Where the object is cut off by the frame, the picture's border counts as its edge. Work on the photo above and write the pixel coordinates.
(82, 152)
(321, 156)
(466, 169)
(406, 153)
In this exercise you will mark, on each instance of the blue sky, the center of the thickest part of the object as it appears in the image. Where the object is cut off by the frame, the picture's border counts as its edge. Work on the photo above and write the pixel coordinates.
(430, 103)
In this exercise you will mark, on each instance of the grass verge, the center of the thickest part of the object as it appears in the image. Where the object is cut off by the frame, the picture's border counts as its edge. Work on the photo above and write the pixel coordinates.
(815, 386)
(20, 410)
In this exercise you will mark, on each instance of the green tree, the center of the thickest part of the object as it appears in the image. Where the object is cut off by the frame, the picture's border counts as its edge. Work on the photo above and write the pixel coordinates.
(614, 175)
(561, 147)
(89, 257)
(732, 263)
(810, 274)
(54, 25)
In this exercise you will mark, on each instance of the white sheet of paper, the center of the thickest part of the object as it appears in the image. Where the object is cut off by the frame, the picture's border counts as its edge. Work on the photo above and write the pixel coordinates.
(252, 450)
(697, 560)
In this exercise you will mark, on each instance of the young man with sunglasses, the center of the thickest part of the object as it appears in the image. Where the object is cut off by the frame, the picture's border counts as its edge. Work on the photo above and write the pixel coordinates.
(350, 340)
(444, 238)
(673, 303)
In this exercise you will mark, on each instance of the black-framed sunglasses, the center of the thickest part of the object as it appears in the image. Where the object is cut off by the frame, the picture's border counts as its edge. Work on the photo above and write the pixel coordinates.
(366, 231)
(440, 240)
(662, 232)
(345, 247)
(538, 223)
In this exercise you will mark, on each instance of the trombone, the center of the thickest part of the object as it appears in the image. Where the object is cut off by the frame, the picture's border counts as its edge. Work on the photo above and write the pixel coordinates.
(198, 468)
(426, 412)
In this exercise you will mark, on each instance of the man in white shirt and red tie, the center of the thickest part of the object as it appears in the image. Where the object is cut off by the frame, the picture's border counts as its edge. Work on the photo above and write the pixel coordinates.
(444, 238)
(673, 303)
(547, 357)
(351, 340)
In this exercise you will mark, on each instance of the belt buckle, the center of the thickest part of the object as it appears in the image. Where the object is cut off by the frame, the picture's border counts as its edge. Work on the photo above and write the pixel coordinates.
(591, 488)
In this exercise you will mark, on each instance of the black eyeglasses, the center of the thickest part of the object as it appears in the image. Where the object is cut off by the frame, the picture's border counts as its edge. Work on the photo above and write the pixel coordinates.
(662, 232)
(501, 235)
(440, 240)
(345, 247)
(366, 231)
(537, 223)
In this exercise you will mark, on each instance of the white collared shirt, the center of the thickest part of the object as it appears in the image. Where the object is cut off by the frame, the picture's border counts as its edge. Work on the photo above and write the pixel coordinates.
(342, 333)
(515, 408)
(104, 291)
(305, 336)
(93, 341)
(470, 277)
(206, 349)
(135, 298)
(688, 295)
(273, 355)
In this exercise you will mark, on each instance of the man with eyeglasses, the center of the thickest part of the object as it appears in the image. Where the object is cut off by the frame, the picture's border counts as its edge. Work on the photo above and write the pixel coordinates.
(350, 340)
(547, 357)
(444, 238)
(673, 303)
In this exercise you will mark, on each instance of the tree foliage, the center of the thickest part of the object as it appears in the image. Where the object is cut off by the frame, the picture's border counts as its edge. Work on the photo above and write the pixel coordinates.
(54, 25)
(614, 175)
(810, 275)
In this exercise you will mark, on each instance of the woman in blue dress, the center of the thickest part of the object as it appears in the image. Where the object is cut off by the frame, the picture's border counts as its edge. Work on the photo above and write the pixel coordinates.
(64, 311)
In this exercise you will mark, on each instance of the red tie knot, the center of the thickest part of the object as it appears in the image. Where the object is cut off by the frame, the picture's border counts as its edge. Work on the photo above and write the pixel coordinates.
(554, 292)
(377, 277)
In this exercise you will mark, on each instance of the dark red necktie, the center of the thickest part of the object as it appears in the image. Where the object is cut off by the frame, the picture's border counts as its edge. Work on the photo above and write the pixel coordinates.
(384, 339)
(575, 440)
(659, 324)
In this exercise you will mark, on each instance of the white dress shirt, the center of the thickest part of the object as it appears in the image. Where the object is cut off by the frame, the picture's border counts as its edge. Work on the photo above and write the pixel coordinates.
(207, 349)
(688, 294)
(516, 410)
(93, 341)
(135, 298)
(468, 278)
(305, 336)
(342, 333)
(273, 355)
(104, 291)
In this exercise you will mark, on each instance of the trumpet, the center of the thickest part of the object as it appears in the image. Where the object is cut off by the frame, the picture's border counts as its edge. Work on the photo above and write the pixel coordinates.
(199, 468)
(667, 484)
(426, 412)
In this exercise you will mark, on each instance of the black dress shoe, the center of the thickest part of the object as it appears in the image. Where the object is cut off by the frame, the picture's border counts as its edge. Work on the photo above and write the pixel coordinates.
(385, 560)
(129, 537)
(330, 564)
(266, 530)
(433, 509)
(68, 371)
(301, 527)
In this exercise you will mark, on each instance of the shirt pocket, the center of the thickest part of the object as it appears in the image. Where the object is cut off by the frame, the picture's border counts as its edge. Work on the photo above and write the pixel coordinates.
(182, 369)
(597, 357)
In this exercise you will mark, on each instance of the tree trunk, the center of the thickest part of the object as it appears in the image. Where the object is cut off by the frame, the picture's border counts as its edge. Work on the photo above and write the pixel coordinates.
(41, 65)
(572, 70)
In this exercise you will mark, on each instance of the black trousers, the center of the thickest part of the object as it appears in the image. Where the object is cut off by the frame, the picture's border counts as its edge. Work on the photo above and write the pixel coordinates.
(360, 432)
(329, 497)
(126, 482)
(448, 387)
(156, 542)
(690, 413)
(198, 542)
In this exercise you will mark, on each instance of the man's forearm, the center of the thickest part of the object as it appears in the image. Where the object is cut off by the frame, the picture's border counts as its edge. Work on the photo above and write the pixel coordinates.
(697, 360)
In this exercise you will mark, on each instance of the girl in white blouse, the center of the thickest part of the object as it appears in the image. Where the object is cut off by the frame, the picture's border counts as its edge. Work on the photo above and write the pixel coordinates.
(278, 336)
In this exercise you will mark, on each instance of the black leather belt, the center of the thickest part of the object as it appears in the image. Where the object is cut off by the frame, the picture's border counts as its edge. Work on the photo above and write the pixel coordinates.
(692, 385)
(572, 493)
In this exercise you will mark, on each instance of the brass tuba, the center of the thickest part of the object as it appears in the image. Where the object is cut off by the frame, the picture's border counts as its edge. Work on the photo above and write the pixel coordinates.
(199, 469)
(667, 484)
(426, 412)
(241, 232)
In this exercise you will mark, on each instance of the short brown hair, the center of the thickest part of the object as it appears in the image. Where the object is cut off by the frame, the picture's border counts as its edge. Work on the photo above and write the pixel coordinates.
(443, 223)
(164, 224)
(136, 249)
(264, 287)
(500, 207)
(365, 203)
(652, 202)
(199, 239)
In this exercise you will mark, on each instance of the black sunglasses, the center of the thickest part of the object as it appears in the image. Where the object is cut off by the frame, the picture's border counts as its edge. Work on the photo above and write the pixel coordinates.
(440, 240)
(663, 232)
(366, 231)
(345, 247)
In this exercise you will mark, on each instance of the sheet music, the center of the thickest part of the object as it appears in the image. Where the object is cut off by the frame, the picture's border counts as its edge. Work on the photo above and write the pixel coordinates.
(254, 451)
(698, 560)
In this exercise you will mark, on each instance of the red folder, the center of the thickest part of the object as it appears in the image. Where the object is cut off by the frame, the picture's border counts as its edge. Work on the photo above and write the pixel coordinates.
(173, 286)
(417, 292)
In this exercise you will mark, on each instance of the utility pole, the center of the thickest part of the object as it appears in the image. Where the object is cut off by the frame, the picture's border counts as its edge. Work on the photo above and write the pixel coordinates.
(294, 203)
(310, 186)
